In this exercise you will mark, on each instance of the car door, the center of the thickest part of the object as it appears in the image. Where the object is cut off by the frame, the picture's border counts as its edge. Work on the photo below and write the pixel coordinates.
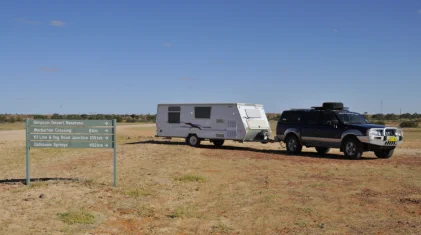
(310, 128)
(330, 130)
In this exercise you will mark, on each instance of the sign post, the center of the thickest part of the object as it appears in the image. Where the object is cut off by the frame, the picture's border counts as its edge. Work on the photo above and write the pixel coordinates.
(51, 133)
(115, 151)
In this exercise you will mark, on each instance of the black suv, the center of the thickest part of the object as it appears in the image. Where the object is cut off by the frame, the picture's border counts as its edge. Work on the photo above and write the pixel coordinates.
(333, 126)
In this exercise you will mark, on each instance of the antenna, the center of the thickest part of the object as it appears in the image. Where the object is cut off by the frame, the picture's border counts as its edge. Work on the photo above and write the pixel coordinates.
(400, 113)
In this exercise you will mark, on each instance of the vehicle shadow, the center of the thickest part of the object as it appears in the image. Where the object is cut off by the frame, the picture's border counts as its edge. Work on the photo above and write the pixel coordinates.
(23, 181)
(266, 151)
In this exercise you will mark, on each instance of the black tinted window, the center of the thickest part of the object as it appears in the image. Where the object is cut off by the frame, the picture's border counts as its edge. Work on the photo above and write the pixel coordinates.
(312, 118)
(174, 117)
(177, 109)
(328, 117)
(290, 117)
(202, 112)
(174, 114)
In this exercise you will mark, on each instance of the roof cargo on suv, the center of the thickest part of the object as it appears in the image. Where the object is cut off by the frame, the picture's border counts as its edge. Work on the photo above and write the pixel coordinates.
(333, 105)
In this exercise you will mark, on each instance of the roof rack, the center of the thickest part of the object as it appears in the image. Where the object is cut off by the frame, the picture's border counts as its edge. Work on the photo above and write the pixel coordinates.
(321, 108)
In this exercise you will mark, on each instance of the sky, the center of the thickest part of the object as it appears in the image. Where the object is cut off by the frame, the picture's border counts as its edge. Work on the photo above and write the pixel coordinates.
(128, 56)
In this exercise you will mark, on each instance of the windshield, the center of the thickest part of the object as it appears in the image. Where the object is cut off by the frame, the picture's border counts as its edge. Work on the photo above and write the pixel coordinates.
(352, 118)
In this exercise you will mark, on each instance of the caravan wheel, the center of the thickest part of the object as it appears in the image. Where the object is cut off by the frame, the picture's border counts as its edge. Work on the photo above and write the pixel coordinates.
(192, 140)
(218, 142)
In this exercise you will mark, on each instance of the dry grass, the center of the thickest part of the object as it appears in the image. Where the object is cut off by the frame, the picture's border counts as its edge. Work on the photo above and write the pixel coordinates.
(12, 126)
(77, 217)
(190, 178)
(166, 187)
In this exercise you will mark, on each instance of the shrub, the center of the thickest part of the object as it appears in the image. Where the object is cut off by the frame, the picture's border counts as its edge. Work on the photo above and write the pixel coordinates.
(391, 116)
(2, 118)
(406, 115)
(409, 124)
(77, 217)
(378, 116)
(38, 116)
(191, 178)
(58, 116)
(378, 122)
(11, 120)
(131, 120)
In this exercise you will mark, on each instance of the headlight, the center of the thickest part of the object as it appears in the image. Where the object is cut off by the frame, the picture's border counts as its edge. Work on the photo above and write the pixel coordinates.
(374, 132)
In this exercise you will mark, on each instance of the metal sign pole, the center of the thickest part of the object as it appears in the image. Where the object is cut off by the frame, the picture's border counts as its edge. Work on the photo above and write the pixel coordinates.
(115, 151)
(28, 155)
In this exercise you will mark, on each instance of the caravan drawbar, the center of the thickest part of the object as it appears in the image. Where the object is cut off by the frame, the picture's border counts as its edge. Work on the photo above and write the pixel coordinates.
(216, 122)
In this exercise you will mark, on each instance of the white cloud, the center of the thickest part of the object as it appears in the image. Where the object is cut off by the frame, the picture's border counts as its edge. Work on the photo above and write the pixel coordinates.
(24, 21)
(167, 44)
(419, 11)
(186, 79)
(335, 30)
(57, 23)
(50, 70)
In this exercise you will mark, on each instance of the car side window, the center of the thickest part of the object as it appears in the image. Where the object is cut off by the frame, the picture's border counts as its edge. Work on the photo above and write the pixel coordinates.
(290, 117)
(312, 118)
(328, 118)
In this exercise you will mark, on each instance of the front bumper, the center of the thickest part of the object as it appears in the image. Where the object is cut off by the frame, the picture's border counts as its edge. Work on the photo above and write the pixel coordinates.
(389, 141)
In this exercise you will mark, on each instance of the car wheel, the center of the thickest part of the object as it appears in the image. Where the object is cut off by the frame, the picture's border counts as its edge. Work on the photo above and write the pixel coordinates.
(322, 150)
(293, 144)
(193, 140)
(384, 153)
(353, 148)
(218, 143)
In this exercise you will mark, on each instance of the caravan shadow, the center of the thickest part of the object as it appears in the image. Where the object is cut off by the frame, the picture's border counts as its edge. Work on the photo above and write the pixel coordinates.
(266, 151)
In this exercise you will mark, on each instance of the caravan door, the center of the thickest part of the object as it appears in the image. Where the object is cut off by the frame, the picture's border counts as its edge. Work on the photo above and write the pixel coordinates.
(255, 120)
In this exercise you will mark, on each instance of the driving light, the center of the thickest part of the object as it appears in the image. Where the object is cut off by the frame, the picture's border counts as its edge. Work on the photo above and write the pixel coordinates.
(374, 132)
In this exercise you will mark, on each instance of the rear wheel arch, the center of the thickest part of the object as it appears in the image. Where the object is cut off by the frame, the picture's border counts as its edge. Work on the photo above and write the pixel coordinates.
(291, 134)
(293, 143)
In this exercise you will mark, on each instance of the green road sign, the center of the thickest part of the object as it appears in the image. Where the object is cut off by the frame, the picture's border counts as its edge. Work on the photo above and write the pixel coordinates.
(70, 137)
(69, 144)
(66, 123)
(70, 130)
(70, 134)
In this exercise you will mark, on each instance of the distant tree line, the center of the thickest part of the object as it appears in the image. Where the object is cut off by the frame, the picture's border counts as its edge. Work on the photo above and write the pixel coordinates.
(405, 119)
(132, 118)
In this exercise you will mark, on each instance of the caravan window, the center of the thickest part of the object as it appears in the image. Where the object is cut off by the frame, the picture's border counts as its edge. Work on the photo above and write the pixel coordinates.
(253, 113)
(202, 112)
(174, 114)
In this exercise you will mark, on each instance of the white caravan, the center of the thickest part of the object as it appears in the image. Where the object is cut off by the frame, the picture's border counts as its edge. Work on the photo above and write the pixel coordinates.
(215, 122)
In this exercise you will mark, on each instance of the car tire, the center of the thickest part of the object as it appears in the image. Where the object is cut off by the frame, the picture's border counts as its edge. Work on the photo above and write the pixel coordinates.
(353, 148)
(193, 140)
(322, 150)
(384, 153)
(218, 143)
(293, 144)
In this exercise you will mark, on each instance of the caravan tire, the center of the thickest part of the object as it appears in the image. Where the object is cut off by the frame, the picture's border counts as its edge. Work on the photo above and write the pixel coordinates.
(193, 140)
(218, 142)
